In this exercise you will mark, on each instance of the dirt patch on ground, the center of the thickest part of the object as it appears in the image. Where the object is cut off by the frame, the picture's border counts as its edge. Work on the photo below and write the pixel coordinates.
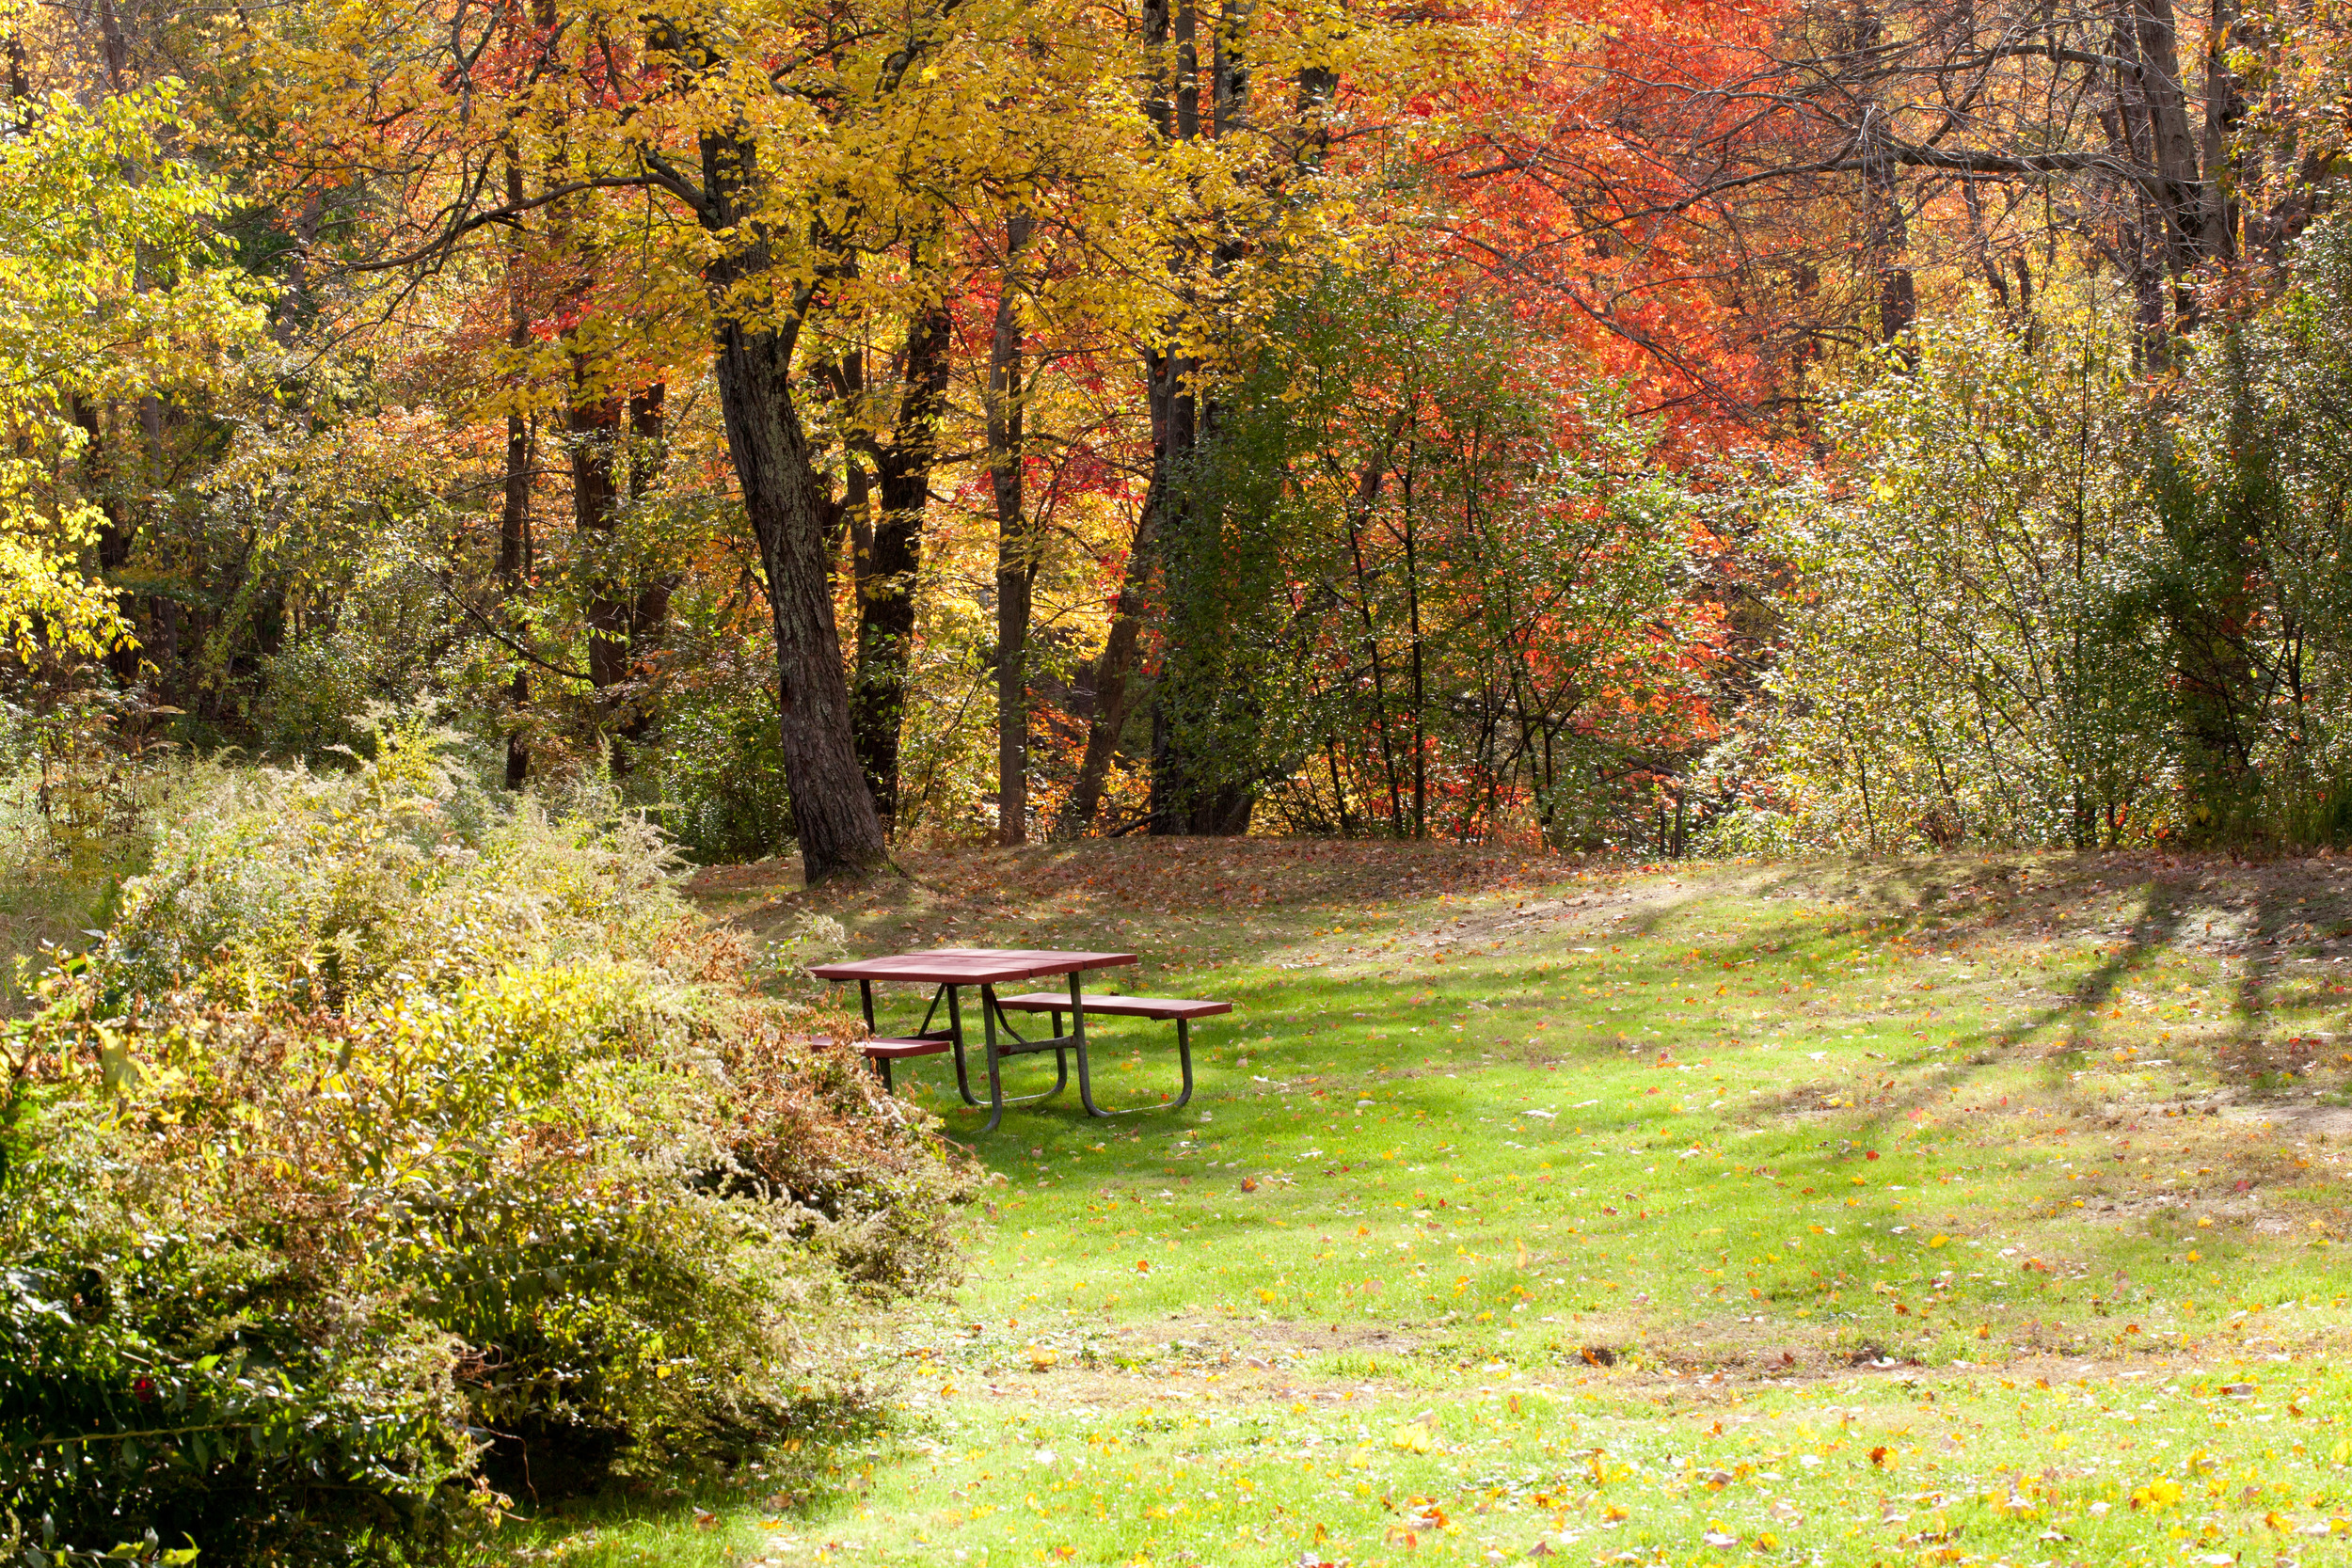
(1724, 1373)
(1137, 876)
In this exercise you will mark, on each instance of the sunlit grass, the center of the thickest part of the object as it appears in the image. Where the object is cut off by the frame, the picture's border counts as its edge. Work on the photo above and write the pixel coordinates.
(1734, 1209)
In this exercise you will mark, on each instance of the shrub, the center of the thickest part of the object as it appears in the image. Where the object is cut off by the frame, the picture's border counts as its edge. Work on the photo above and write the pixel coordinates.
(391, 1119)
(286, 886)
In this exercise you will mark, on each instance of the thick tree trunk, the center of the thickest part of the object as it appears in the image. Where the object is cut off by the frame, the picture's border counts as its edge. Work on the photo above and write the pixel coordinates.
(2172, 146)
(759, 316)
(1175, 436)
(1174, 407)
(833, 812)
(1186, 798)
(2151, 126)
(2225, 109)
(1016, 549)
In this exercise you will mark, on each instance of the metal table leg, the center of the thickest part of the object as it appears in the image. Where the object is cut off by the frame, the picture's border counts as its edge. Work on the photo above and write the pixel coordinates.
(996, 1077)
(1183, 1054)
(1078, 1040)
(955, 1031)
(1086, 1087)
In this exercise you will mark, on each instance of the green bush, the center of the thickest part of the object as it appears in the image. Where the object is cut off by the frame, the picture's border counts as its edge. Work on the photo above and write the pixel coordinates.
(387, 1118)
(717, 764)
(336, 890)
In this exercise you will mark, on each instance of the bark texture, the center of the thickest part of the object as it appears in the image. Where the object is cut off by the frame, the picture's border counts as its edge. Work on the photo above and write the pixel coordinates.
(1016, 546)
(785, 496)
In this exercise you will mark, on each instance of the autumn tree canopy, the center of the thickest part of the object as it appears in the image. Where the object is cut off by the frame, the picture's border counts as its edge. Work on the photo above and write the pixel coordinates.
(1035, 421)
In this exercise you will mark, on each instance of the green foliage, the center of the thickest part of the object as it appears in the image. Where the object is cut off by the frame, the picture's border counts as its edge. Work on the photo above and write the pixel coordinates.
(1422, 585)
(390, 1116)
(160, 1372)
(2038, 601)
(2254, 587)
(344, 889)
(717, 765)
(1973, 656)
(107, 290)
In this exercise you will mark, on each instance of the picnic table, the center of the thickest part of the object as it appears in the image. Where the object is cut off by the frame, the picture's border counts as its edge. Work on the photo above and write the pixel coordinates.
(949, 970)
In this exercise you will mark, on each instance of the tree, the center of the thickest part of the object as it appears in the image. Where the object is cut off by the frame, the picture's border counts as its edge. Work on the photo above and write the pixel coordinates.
(1006, 394)
(1441, 586)
(784, 177)
(1975, 654)
(114, 292)
(775, 157)
(1773, 149)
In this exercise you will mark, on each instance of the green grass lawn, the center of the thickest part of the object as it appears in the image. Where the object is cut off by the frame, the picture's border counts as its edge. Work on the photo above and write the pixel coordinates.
(1934, 1210)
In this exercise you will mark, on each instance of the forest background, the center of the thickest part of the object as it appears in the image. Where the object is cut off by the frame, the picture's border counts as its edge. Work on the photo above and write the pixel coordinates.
(463, 458)
(1679, 426)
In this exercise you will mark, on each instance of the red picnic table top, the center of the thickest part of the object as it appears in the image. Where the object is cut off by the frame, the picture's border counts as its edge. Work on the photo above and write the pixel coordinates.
(968, 966)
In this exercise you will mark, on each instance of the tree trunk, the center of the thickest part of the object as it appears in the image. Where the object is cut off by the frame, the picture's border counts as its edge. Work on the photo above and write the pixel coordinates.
(514, 568)
(609, 469)
(1114, 677)
(902, 475)
(1887, 231)
(514, 559)
(2225, 109)
(1016, 549)
(2150, 125)
(592, 426)
(1175, 438)
(784, 496)
(1187, 797)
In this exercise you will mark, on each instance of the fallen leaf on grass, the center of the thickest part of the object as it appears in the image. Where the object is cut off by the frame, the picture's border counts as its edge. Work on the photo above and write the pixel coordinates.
(1414, 1437)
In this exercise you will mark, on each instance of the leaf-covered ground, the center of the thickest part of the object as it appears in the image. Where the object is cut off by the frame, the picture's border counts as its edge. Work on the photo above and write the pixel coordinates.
(1972, 1209)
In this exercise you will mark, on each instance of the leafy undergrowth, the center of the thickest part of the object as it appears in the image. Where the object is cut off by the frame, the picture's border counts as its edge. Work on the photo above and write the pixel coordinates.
(43, 905)
(1935, 1210)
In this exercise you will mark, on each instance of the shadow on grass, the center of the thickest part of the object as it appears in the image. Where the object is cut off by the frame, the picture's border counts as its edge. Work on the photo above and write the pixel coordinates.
(2168, 897)
(586, 1516)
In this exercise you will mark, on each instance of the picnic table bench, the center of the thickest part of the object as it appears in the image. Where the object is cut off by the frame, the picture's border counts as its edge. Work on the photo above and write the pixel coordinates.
(948, 970)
